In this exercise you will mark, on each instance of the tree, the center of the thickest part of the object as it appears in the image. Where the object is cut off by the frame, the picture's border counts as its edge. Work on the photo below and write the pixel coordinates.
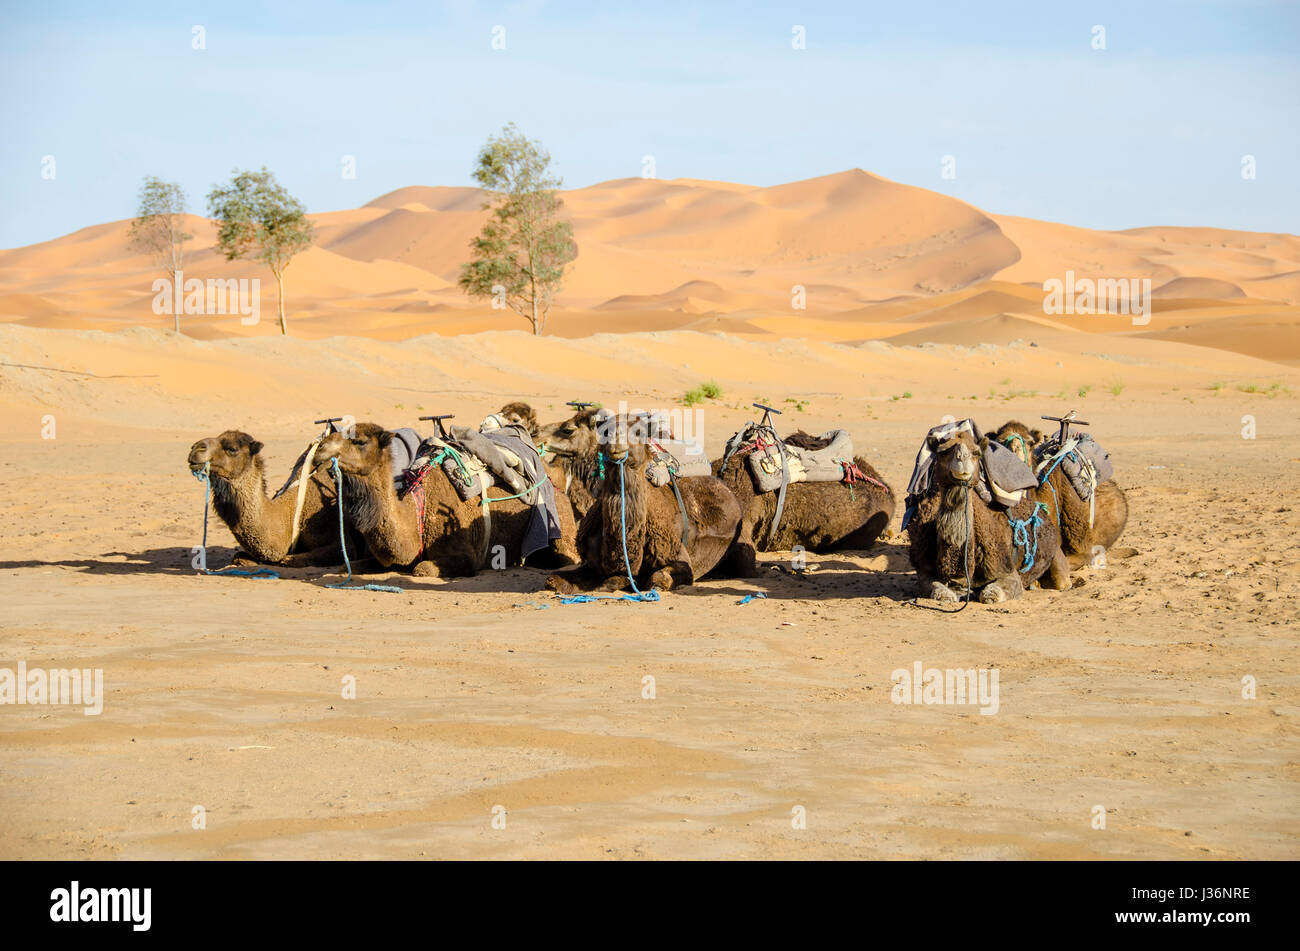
(159, 231)
(519, 256)
(258, 219)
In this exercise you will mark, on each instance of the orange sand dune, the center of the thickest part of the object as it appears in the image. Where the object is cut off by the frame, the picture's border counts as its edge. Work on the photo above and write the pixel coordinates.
(843, 257)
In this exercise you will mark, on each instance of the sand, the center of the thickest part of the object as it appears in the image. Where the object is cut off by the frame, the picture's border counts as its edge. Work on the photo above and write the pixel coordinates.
(473, 694)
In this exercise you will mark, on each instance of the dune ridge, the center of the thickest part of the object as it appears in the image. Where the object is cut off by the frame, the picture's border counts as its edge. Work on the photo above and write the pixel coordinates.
(843, 257)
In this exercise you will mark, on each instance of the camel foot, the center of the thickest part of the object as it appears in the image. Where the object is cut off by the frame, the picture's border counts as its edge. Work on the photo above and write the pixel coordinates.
(426, 569)
(941, 592)
(561, 585)
(1004, 589)
(243, 560)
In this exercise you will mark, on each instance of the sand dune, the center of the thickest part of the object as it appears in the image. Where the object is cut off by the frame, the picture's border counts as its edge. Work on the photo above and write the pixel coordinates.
(842, 257)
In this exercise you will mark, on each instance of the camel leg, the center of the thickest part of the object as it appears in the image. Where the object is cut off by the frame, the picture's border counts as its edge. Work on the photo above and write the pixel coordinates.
(243, 559)
(426, 569)
(1007, 588)
(1057, 577)
(324, 556)
(573, 581)
(676, 575)
(928, 586)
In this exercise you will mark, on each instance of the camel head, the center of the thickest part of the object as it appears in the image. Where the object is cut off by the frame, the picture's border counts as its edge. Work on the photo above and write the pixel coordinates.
(521, 413)
(956, 459)
(228, 456)
(1024, 441)
(574, 440)
(361, 453)
(627, 440)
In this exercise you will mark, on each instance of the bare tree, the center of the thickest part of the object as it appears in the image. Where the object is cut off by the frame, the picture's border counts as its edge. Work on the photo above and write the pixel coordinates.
(159, 231)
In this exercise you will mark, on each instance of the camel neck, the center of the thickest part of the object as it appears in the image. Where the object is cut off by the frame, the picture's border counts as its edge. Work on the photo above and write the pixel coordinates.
(258, 523)
(387, 522)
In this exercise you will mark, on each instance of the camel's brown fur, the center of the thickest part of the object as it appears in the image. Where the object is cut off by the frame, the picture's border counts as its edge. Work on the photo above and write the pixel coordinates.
(523, 414)
(262, 525)
(573, 445)
(1079, 540)
(951, 514)
(655, 550)
(818, 516)
(452, 532)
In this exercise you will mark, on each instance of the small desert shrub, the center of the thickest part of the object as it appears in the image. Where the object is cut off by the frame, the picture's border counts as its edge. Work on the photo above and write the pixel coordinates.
(711, 390)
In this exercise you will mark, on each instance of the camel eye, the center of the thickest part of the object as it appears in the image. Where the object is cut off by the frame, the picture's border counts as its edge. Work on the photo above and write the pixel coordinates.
(232, 452)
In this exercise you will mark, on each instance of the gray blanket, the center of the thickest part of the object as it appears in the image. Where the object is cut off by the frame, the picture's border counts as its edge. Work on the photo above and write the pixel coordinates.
(544, 522)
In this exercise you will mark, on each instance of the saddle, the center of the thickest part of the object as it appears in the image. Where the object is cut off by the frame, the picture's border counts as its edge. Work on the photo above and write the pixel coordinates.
(824, 458)
(1003, 477)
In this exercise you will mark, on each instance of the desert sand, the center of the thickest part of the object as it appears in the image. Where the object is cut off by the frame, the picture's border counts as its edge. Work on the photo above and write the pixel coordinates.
(1125, 692)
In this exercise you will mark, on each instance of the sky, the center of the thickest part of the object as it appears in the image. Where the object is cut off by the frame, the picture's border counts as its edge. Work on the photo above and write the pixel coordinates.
(1009, 106)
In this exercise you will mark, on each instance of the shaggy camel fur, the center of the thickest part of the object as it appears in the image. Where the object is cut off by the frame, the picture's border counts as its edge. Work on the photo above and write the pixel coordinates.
(574, 446)
(656, 553)
(819, 516)
(263, 526)
(954, 532)
(1080, 540)
(449, 541)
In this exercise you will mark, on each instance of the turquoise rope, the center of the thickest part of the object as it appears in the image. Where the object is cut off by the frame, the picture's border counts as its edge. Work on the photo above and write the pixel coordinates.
(642, 596)
(343, 543)
(1025, 531)
(518, 495)
(207, 500)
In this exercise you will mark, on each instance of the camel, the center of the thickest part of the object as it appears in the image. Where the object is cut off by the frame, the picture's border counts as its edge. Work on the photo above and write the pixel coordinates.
(430, 530)
(263, 526)
(1070, 512)
(954, 535)
(523, 414)
(573, 445)
(661, 552)
(818, 516)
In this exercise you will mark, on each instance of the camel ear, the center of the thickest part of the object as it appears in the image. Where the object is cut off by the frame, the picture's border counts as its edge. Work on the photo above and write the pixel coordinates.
(1036, 435)
(254, 447)
(385, 438)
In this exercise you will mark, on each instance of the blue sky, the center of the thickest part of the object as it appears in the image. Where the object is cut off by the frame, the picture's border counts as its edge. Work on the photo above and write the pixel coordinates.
(1151, 130)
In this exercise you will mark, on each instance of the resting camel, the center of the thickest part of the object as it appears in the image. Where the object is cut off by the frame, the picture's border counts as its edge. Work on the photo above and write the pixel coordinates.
(955, 534)
(819, 516)
(263, 526)
(1067, 509)
(431, 531)
(662, 552)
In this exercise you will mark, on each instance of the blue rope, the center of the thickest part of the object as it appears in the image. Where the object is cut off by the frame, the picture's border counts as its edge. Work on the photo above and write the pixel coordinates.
(642, 596)
(1025, 534)
(343, 543)
(652, 594)
(207, 499)
(750, 597)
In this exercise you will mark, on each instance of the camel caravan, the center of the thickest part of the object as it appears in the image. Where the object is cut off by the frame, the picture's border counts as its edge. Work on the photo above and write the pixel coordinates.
(619, 505)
